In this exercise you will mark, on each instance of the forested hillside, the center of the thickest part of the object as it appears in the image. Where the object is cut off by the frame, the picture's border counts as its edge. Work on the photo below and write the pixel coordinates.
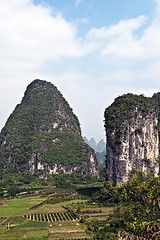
(43, 135)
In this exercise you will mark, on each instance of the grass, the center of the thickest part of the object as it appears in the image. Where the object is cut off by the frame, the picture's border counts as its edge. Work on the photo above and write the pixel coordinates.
(11, 236)
(68, 235)
(16, 206)
(49, 208)
(68, 202)
(99, 211)
(34, 224)
(37, 234)
(13, 207)
(103, 215)
(21, 228)
(67, 230)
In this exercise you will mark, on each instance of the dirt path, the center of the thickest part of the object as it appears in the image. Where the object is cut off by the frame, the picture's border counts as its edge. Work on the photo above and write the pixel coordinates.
(5, 220)
(24, 235)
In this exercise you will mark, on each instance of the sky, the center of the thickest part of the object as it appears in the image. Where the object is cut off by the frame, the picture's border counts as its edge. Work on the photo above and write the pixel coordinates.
(92, 51)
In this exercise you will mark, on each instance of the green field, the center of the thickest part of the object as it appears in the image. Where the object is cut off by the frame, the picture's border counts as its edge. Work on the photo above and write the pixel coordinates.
(68, 202)
(24, 218)
(16, 206)
(86, 212)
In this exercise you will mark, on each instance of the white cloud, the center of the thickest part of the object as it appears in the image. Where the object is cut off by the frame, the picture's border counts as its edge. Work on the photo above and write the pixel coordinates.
(122, 42)
(78, 2)
(118, 41)
(148, 92)
(114, 31)
(32, 36)
(158, 7)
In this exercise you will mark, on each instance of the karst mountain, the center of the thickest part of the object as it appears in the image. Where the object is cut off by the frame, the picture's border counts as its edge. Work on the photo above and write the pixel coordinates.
(43, 136)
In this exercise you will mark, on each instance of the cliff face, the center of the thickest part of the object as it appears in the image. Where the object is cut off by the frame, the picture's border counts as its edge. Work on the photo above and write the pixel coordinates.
(132, 137)
(43, 135)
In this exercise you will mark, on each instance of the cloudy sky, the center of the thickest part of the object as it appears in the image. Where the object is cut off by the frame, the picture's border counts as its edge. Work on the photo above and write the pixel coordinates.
(93, 51)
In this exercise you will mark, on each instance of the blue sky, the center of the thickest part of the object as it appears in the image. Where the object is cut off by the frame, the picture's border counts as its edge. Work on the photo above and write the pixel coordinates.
(87, 14)
(93, 51)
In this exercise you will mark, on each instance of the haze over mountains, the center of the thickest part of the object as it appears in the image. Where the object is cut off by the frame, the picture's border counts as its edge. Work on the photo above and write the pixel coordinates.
(100, 149)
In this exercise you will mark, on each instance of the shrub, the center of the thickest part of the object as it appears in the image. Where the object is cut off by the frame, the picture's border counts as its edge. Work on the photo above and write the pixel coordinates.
(56, 216)
(66, 215)
(63, 216)
(52, 217)
(69, 215)
(35, 217)
(49, 217)
(45, 216)
(42, 217)
(39, 217)
(82, 220)
(60, 218)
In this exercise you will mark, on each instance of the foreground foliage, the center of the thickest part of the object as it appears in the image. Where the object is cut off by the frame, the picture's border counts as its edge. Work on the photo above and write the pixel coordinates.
(150, 232)
(138, 202)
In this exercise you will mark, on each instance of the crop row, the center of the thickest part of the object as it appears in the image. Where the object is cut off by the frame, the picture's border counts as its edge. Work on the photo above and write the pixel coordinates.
(51, 217)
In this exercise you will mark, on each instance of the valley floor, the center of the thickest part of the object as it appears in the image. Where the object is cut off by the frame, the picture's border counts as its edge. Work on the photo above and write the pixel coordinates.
(34, 218)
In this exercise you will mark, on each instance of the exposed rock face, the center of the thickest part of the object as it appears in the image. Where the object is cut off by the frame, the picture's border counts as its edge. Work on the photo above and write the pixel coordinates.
(43, 135)
(132, 137)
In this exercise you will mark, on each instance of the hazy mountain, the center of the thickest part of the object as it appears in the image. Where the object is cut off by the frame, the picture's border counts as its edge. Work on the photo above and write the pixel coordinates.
(100, 149)
(101, 146)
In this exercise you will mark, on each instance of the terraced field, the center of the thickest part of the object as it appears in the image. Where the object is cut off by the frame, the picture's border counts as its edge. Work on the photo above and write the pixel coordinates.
(52, 217)
(19, 221)
(34, 218)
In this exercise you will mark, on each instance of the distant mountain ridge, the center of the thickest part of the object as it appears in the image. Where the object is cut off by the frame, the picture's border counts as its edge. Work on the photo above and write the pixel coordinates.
(99, 148)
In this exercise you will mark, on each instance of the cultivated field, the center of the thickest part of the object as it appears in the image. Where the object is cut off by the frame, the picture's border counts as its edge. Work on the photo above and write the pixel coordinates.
(35, 218)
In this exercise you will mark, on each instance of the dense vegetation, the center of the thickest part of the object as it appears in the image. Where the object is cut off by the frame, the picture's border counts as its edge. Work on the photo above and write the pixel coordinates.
(131, 210)
(138, 204)
(125, 108)
(12, 183)
(44, 126)
(43, 129)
